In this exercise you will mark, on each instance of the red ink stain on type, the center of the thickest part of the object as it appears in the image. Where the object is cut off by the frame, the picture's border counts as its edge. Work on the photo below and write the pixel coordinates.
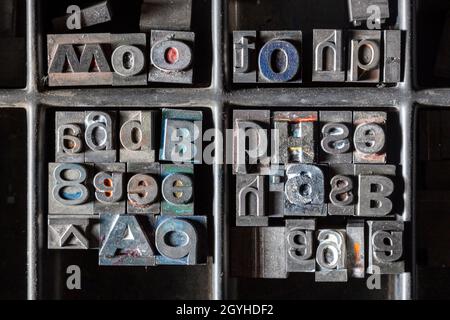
(171, 55)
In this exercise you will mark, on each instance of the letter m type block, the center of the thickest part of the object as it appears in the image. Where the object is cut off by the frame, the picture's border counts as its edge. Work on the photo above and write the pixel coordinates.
(79, 59)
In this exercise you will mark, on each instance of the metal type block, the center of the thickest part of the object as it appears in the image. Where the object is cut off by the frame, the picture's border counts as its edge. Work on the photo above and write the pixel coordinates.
(128, 59)
(336, 137)
(69, 129)
(100, 136)
(79, 59)
(279, 59)
(163, 14)
(343, 190)
(177, 189)
(392, 67)
(244, 57)
(331, 256)
(276, 191)
(328, 56)
(369, 137)
(376, 185)
(137, 136)
(73, 232)
(181, 240)
(109, 188)
(251, 142)
(143, 189)
(124, 242)
(172, 56)
(93, 15)
(385, 247)
(68, 189)
(442, 66)
(251, 201)
(304, 191)
(361, 10)
(355, 249)
(299, 236)
(365, 54)
(294, 137)
(181, 138)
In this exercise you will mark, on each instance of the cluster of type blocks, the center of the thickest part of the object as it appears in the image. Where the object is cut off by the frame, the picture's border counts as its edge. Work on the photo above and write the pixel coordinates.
(107, 189)
(296, 171)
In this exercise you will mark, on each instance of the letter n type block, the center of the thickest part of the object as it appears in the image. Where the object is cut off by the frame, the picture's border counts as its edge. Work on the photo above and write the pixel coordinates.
(73, 232)
(244, 57)
(172, 57)
(279, 58)
(124, 242)
(129, 59)
(69, 132)
(177, 189)
(79, 59)
(251, 201)
(328, 61)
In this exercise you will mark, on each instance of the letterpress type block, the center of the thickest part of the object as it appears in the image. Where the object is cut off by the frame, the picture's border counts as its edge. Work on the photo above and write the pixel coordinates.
(109, 188)
(392, 68)
(328, 60)
(181, 240)
(343, 191)
(79, 59)
(69, 129)
(143, 188)
(355, 247)
(244, 57)
(364, 56)
(68, 189)
(93, 15)
(362, 10)
(336, 136)
(251, 201)
(279, 59)
(304, 191)
(100, 136)
(171, 56)
(385, 247)
(137, 136)
(299, 238)
(177, 189)
(369, 137)
(251, 142)
(73, 232)
(276, 191)
(124, 242)
(331, 256)
(294, 137)
(181, 138)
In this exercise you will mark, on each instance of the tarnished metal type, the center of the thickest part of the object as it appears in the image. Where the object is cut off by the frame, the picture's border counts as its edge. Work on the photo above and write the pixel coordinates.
(251, 142)
(143, 188)
(181, 137)
(137, 136)
(69, 190)
(171, 57)
(369, 137)
(251, 191)
(109, 188)
(331, 256)
(356, 249)
(69, 131)
(392, 66)
(363, 10)
(295, 137)
(386, 247)
(276, 192)
(244, 57)
(162, 14)
(124, 241)
(180, 240)
(279, 58)
(93, 15)
(365, 56)
(128, 59)
(328, 56)
(305, 191)
(69, 68)
(73, 232)
(299, 237)
(177, 189)
(336, 136)
(100, 136)
(375, 189)
(343, 190)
